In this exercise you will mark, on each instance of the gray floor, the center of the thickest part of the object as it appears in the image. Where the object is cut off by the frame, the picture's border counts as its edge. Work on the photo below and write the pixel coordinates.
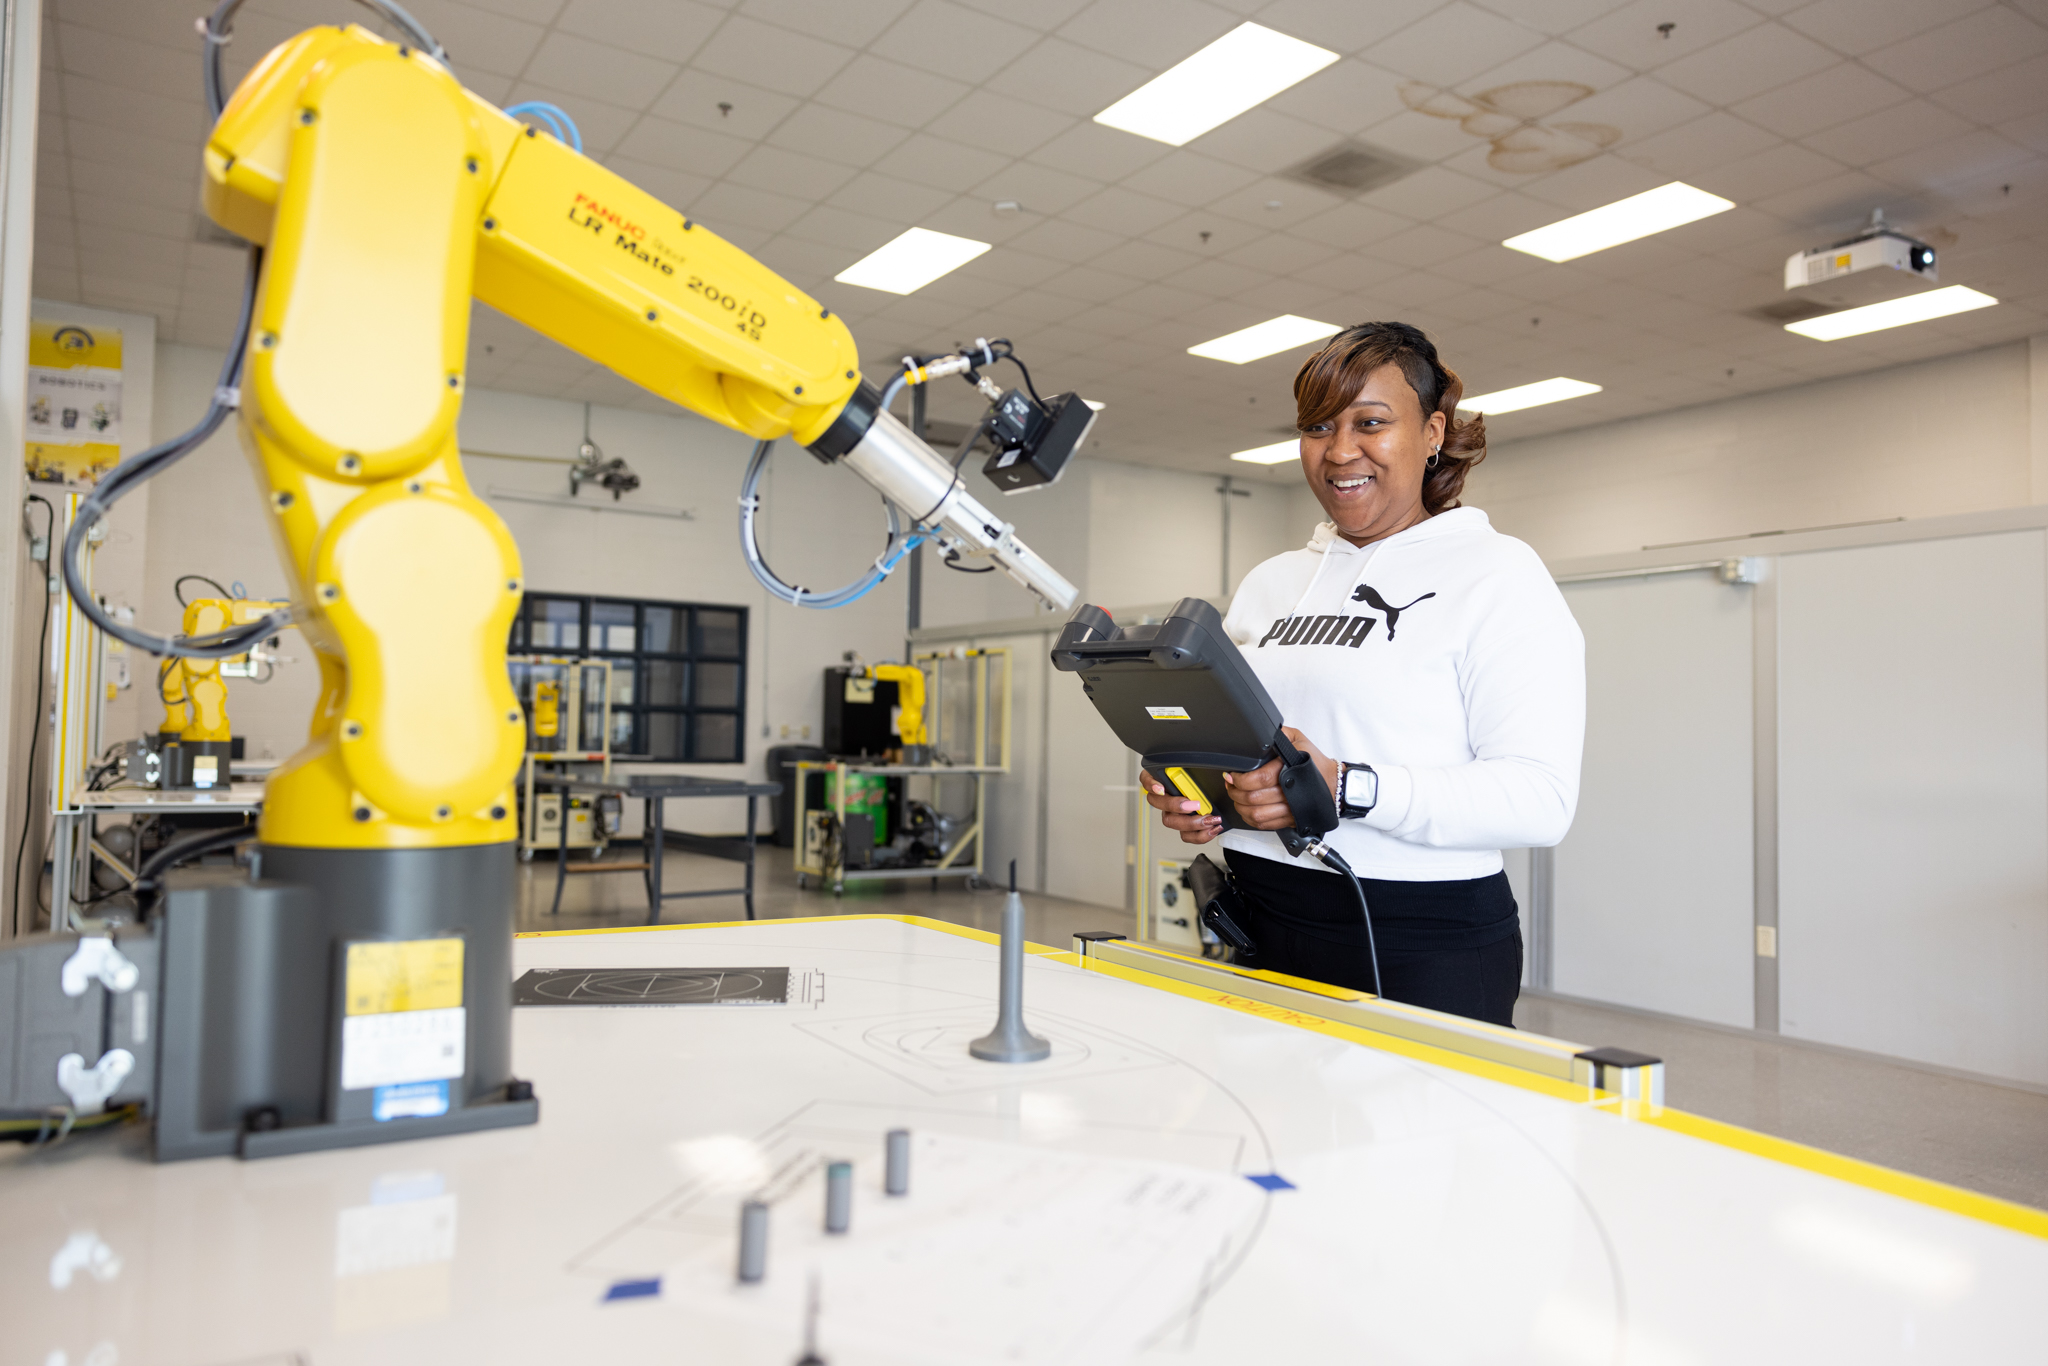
(1972, 1134)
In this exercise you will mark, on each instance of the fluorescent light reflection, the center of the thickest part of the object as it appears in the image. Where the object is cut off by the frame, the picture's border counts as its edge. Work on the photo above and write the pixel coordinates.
(1528, 395)
(1277, 453)
(1640, 215)
(1914, 308)
(911, 262)
(1268, 338)
(1245, 67)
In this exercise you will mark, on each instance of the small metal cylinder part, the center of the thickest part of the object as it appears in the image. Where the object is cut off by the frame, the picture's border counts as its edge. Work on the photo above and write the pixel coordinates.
(896, 1176)
(753, 1241)
(838, 1196)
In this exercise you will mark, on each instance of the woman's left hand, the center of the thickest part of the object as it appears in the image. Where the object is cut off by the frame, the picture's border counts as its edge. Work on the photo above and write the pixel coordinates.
(1257, 796)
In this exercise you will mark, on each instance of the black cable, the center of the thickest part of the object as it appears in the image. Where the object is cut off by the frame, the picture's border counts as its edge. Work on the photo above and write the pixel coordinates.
(152, 462)
(181, 851)
(178, 588)
(1335, 862)
(217, 30)
(952, 561)
(1029, 387)
(28, 800)
(959, 458)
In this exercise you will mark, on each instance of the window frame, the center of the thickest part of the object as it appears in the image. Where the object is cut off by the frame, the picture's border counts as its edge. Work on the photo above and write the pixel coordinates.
(689, 632)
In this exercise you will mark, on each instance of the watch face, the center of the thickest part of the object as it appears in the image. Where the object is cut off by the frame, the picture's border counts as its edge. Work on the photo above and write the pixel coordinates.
(1361, 787)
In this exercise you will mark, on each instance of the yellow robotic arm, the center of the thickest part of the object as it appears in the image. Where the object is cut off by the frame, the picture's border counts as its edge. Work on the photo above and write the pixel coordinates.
(387, 195)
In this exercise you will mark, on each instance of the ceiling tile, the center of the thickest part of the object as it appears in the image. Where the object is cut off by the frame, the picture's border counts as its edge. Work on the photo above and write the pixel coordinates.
(855, 25)
(787, 172)
(1551, 16)
(1343, 25)
(955, 41)
(695, 95)
(1452, 44)
(1189, 178)
(682, 149)
(1039, 189)
(1833, 96)
(1122, 211)
(1976, 153)
(1888, 133)
(837, 135)
(601, 125)
(1351, 227)
(778, 58)
(1017, 269)
(928, 160)
(1263, 140)
(478, 40)
(87, 101)
(1160, 301)
(1503, 215)
(1830, 206)
(675, 188)
(887, 197)
(2009, 93)
(146, 21)
(1065, 241)
(998, 123)
(1099, 152)
(1418, 137)
(1429, 192)
(1423, 245)
(594, 71)
(1283, 254)
(1967, 47)
(1343, 97)
(1070, 78)
(1783, 167)
(1153, 33)
(1552, 61)
(1691, 148)
(857, 233)
(1753, 61)
(1039, 14)
(1269, 205)
(2031, 131)
(974, 217)
(890, 91)
(729, 205)
(1223, 278)
(126, 62)
(1855, 27)
(1640, 108)
(1147, 261)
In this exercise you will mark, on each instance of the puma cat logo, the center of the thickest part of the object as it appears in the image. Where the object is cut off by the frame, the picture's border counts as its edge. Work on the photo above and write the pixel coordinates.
(1364, 593)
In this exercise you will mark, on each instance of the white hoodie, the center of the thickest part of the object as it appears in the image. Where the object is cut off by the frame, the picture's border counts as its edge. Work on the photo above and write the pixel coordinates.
(1445, 657)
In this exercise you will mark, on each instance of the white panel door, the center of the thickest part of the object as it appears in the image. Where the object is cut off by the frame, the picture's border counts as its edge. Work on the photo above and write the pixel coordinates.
(1654, 903)
(1913, 802)
(1088, 772)
(1014, 798)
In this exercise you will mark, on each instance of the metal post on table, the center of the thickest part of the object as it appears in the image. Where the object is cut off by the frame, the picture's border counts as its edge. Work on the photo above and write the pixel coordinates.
(654, 859)
(751, 799)
(561, 851)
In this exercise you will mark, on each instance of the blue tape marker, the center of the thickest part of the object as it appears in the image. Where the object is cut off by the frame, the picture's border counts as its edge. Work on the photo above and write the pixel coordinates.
(633, 1290)
(1271, 1181)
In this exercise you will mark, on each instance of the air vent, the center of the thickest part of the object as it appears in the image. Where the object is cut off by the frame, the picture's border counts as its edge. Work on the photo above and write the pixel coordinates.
(1351, 168)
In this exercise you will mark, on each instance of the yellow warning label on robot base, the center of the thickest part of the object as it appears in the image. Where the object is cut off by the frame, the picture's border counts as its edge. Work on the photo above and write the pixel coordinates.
(401, 975)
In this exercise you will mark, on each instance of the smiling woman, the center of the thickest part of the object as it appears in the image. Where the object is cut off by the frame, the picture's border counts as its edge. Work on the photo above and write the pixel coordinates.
(1438, 657)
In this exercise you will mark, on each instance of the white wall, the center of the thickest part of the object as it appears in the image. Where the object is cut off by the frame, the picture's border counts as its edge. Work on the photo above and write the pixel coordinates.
(1921, 440)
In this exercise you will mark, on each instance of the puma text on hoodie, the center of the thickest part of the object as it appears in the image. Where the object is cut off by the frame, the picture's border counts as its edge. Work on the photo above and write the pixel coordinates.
(1445, 657)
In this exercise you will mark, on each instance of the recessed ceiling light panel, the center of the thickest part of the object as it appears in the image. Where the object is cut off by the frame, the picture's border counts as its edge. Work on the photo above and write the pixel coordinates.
(911, 262)
(1277, 453)
(1268, 338)
(1528, 395)
(1640, 215)
(1245, 67)
(1914, 308)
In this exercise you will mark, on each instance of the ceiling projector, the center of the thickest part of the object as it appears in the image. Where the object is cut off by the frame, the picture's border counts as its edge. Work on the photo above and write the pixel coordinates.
(1876, 264)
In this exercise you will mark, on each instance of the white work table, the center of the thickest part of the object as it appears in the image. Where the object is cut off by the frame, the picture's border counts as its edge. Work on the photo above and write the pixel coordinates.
(1091, 1207)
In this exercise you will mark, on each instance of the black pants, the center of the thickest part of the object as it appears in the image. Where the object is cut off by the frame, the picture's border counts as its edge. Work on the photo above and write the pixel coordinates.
(1450, 946)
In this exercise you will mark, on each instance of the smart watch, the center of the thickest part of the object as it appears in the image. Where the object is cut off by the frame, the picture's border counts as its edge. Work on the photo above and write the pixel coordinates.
(1358, 790)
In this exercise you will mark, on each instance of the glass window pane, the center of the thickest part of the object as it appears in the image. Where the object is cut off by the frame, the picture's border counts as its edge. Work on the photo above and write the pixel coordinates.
(556, 624)
(718, 738)
(718, 633)
(625, 674)
(668, 683)
(622, 732)
(665, 627)
(665, 734)
(612, 626)
(718, 685)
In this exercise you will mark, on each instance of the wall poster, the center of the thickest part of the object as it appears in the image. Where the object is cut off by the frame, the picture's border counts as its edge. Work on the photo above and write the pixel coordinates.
(74, 402)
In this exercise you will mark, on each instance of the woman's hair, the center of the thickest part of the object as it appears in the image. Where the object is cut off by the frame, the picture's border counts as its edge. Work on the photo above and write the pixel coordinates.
(1331, 378)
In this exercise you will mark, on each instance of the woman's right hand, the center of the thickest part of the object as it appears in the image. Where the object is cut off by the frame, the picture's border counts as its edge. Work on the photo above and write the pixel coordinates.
(1178, 813)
